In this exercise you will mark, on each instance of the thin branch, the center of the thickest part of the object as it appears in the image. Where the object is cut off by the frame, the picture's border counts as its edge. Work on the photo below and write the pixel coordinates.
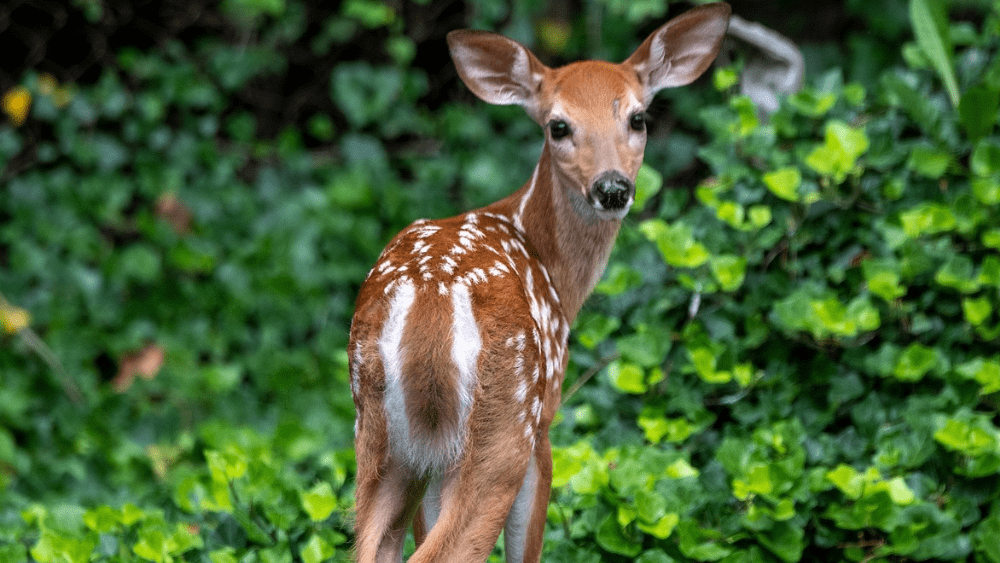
(35, 343)
(603, 363)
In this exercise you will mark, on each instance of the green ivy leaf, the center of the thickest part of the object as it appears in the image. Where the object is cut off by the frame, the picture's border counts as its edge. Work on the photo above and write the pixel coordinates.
(927, 218)
(915, 361)
(102, 519)
(648, 182)
(316, 550)
(223, 555)
(784, 182)
(655, 556)
(929, 161)
(704, 362)
(991, 238)
(985, 159)
(785, 540)
(883, 281)
(958, 273)
(729, 270)
(760, 216)
(675, 242)
(653, 427)
(900, 493)
(743, 374)
(663, 527)
(611, 538)
(681, 469)
(963, 436)
(55, 547)
(985, 535)
(226, 466)
(847, 479)
(627, 377)
(986, 190)
(657, 428)
(591, 328)
(570, 461)
(983, 371)
(838, 154)
(152, 545)
(365, 93)
(618, 279)
(371, 13)
(700, 543)
(590, 480)
(649, 505)
(976, 310)
(130, 514)
(730, 212)
(746, 116)
(725, 78)
(758, 481)
(812, 103)
(647, 347)
(319, 501)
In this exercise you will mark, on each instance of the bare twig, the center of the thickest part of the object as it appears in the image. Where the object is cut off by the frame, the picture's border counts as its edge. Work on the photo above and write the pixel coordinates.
(35, 343)
(588, 375)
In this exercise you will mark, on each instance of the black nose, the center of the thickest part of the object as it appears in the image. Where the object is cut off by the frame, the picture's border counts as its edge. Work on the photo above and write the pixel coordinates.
(613, 191)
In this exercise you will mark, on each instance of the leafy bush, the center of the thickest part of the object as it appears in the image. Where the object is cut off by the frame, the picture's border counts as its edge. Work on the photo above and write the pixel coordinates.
(809, 335)
(791, 357)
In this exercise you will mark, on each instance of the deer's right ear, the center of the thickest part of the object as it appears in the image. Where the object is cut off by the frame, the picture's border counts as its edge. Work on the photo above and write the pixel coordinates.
(498, 70)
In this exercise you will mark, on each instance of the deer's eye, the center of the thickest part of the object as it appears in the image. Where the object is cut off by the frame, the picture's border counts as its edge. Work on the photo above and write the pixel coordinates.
(559, 129)
(637, 122)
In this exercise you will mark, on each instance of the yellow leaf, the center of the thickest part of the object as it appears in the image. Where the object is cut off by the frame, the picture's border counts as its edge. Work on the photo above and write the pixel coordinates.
(13, 319)
(16, 103)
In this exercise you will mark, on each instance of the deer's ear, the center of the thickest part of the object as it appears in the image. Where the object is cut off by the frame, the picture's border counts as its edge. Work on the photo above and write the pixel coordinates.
(682, 49)
(498, 70)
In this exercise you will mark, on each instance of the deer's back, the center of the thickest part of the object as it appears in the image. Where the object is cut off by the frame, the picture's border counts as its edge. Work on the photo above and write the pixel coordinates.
(456, 325)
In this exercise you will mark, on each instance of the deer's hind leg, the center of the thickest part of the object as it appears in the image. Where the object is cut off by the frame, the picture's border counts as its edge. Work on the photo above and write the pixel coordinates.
(388, 495)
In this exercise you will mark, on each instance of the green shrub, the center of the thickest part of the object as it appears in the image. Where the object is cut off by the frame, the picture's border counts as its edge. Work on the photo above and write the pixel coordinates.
(828, 298)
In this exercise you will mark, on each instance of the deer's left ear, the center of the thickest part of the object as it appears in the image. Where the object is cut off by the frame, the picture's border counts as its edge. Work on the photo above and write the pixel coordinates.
(682, 49)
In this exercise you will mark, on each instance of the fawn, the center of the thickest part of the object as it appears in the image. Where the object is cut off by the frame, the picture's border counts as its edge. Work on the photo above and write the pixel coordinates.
(458, 342)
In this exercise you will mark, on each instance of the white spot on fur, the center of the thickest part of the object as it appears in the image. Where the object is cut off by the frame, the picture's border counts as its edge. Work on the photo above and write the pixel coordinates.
(524, 200)
(536, 410)
(392, 360)
(521, 393)
(426, 231)
(465, 348)
(421, 247)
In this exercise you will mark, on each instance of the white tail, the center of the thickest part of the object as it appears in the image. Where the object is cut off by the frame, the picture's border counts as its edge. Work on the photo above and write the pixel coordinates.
(458, 343)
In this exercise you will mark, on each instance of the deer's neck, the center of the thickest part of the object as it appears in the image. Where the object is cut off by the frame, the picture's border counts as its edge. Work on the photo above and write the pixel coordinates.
(571, 240)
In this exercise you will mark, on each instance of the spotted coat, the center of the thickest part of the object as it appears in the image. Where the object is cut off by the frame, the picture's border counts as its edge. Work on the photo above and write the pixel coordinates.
(477, 267)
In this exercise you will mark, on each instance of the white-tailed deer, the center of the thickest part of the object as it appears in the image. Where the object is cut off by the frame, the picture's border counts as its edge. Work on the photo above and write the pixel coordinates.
(458, 343)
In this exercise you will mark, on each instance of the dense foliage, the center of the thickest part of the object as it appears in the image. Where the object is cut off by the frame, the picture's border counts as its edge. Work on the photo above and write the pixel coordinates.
(792, 355)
